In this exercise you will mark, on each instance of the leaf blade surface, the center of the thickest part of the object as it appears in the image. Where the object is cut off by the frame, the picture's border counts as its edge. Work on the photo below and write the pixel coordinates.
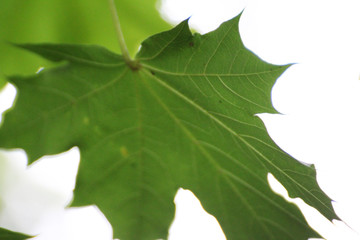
(186, 118)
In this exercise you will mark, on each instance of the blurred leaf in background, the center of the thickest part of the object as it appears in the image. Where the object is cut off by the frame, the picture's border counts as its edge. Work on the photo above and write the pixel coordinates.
(9, 235)
(70, 21)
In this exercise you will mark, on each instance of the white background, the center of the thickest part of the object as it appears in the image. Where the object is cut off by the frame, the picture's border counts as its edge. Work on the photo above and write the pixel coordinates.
(318, 97)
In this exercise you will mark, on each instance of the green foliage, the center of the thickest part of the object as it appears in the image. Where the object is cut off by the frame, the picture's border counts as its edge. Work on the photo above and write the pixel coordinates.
(69, 21)
(10, 235)
(185, 118)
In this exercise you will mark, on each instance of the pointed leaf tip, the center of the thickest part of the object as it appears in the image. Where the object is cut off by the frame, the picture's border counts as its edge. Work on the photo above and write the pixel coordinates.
(6, 234)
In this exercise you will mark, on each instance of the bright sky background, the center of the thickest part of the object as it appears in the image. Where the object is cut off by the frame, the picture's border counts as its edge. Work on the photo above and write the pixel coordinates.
(319, 98)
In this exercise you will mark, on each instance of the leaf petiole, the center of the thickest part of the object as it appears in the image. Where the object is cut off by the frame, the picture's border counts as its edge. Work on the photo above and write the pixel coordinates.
(121, 40)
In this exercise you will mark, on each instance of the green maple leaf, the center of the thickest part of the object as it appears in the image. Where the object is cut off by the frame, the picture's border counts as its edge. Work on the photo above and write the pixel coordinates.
(70, 21)
(10, 235)
(185, 118)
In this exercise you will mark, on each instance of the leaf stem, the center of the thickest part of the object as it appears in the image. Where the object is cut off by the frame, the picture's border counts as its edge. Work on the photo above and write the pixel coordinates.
(129, 61)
